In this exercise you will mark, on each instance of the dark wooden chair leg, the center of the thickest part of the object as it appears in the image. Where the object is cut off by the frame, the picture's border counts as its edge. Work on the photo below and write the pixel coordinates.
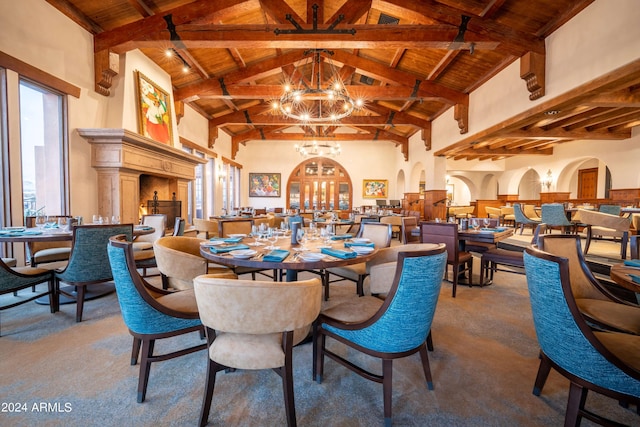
(455, 273)
(429, 342)
(425, 367)
(145, 367)
(135, 350)
(575, 404)
(80, 290)
(387, 376)
(210, 383)
(543, 372)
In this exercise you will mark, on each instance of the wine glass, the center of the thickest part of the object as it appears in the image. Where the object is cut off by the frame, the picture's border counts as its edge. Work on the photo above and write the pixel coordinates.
(63, 223)
(302, 238)
(486, 222)
(272, 237)
(41, 221)
(474, 224)
(256, 236)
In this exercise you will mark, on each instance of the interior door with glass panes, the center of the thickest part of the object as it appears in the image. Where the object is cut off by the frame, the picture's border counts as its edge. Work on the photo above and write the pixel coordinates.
(319, 184)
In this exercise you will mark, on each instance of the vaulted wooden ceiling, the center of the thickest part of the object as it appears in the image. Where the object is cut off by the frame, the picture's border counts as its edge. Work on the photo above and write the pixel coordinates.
(399, 55)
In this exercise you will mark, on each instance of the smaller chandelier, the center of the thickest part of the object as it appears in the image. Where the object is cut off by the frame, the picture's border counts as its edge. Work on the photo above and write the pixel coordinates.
(311, 102)
(315, 148)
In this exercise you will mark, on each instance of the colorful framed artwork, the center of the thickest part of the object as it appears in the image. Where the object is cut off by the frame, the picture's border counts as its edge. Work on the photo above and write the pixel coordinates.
(264, 185)
(154, 110)
(375, 188)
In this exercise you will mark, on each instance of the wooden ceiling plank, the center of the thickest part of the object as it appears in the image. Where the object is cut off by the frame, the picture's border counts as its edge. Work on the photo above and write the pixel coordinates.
(616, 122)
(563, 134)
(76, 15)
(517, 42)
(278, 10)
(352, 11)
(621, 98)
(139, 29)
(395, 77)
(143, 8)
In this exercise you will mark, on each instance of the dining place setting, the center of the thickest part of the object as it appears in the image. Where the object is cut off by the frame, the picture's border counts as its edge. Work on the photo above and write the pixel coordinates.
(311, 247)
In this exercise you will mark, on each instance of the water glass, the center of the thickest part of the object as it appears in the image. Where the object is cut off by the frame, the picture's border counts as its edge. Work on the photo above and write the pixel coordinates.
(41, 220)
(115, 219)
(97, 219)
(63, 223)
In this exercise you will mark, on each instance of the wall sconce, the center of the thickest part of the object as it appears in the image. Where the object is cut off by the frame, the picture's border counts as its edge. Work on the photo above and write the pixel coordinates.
(548, 180)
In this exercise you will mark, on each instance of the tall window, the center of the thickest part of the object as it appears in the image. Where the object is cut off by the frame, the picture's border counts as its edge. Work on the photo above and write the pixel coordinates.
(43, 150)
(319, 183)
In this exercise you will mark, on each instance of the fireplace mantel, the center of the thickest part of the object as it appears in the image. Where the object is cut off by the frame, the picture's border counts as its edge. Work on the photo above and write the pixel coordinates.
(120, 156)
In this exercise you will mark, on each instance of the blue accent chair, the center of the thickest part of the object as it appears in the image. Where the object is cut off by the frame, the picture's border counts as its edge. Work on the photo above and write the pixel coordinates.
(391, 329)
(604, 362)
(610, 209)
(522, 219)
(88, 261)
(150, 313)
(554, 215)
(15, 279)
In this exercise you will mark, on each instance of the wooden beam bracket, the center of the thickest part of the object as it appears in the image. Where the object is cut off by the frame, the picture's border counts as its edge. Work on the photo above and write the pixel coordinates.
(461, 115)
(532, 71)
(106, 65)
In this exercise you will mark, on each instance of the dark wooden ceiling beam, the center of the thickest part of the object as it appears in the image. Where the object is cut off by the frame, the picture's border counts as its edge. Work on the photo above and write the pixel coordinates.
(263, 37)
(278, 10)
(143, 8)
(76, 15)
(266, 135)
(562, 134)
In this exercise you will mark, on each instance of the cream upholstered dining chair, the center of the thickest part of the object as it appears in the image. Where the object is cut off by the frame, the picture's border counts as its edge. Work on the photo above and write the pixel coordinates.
(396, 224)
(605, 362)
(47, 252)
(386, 330)
(604, 225)
(159, 224)
(227, 227)
(601, 307)
(247, 328)
(380, 236)
(205, 228)
(150, 313)
(179, 262)
(494, 213)
(508, 216)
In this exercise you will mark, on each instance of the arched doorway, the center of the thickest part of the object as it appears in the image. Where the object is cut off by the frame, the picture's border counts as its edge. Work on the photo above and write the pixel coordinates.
(319, 184)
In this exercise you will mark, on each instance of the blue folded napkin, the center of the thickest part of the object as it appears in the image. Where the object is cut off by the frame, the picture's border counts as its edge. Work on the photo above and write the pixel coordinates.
(635, 278)
(319, 220)
(143, 227)
(632, 263)
(339, 253)
(226, 239)
(22, 233)
(276, 255)
(341, 237)
(369, 244)
(222, 249)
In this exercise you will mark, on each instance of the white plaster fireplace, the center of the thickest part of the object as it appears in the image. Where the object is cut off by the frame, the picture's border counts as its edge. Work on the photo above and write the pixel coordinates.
(121, 157)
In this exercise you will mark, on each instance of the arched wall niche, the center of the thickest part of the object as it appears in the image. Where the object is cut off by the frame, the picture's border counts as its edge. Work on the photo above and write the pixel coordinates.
(462, 188)
(400, 185)
(529, 185)
(568, 177)
(416, 177)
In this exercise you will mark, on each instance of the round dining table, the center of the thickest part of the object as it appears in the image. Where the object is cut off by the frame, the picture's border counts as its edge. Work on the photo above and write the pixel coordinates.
(621, 274)
(295, 261)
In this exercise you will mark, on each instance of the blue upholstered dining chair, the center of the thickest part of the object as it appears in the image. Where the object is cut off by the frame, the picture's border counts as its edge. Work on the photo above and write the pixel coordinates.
(553, 215)
(522, 220)
(88, 261)
(610, 209)
(604, 362)
(14, 279)
(150, 313)
(391, 329)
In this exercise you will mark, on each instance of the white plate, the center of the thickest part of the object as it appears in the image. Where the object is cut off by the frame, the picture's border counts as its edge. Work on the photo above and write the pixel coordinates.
(361, 240)
(311, 256)
(243, 253)
(236, 235)
(212, 243)
(362, 250)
